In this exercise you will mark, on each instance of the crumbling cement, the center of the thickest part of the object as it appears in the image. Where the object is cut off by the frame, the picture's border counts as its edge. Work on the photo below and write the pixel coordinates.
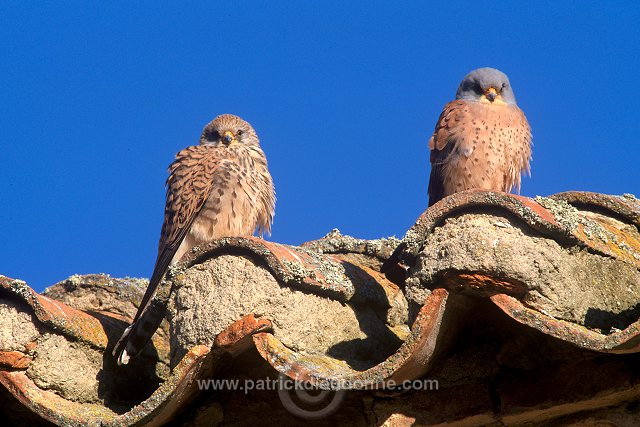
(336, 242)
(68, 368)
(17, 327)
(103, 293)
(566, 283)
(100, 292)
(210, 296)
(75, 370)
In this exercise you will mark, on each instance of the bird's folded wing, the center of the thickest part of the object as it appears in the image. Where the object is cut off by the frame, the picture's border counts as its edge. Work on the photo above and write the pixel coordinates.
(192, 176)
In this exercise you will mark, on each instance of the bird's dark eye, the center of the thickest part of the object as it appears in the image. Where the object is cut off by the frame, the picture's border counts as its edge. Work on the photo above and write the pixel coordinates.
(472, 86)
(213, 135)
(240, 132)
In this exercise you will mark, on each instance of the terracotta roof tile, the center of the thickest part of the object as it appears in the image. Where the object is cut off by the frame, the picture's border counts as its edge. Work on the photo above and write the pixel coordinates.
(454, 286)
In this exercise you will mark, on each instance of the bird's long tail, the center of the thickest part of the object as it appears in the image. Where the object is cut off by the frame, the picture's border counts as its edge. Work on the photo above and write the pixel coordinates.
(124, 349)
(139, 333)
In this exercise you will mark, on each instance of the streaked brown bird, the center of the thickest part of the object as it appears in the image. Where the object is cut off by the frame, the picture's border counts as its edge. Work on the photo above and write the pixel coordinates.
(482, 139)
(219, 188)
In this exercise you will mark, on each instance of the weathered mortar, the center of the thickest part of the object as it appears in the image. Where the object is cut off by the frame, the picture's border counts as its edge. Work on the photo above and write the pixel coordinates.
(17, 327)
(57, 363)
(567, 283)
(210, 296)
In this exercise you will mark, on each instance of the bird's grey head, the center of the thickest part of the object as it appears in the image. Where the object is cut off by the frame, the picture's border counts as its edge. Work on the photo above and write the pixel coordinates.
(486, 85)
(228, 130)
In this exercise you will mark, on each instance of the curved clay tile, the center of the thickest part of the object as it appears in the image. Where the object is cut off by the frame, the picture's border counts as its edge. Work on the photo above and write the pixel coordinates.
(599, 229)
(390, 332)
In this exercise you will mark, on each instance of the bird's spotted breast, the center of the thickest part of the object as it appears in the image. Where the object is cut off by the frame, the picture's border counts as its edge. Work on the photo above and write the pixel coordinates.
(485, 146)
(214, 190)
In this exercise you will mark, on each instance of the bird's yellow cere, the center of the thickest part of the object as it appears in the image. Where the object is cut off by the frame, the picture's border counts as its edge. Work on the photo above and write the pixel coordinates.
(230, 136)
(492, 92)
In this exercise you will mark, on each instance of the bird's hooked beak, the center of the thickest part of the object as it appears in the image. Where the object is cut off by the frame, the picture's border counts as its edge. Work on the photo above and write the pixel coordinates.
(228, 138)
(491, 94)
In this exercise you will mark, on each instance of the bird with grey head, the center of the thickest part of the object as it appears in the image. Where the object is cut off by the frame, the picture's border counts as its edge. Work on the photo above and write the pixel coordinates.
(486, 83)
(482, 139)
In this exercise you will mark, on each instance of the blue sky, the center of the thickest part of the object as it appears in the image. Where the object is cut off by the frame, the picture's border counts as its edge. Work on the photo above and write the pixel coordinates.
(95, 100)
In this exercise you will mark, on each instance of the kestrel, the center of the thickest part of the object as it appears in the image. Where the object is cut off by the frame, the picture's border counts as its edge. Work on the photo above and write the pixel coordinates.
(482, 139)
(219, 188)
